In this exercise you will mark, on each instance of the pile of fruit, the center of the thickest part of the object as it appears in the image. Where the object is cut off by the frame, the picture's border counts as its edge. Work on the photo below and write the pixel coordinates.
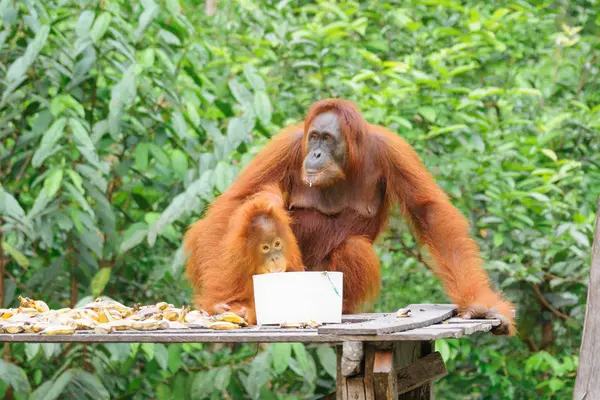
(106, 316)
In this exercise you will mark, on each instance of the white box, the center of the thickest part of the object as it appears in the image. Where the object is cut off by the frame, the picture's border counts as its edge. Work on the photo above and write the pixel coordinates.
(298, 297)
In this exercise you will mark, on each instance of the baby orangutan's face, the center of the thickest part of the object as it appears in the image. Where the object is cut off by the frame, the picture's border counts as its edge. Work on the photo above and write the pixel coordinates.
(270, 246)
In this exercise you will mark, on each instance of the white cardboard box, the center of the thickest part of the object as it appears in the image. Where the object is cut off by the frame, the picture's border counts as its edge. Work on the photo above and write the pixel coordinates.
(298, 297)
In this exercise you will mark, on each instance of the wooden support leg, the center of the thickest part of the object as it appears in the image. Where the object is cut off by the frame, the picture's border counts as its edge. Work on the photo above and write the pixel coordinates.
(402, 370)
(407, 353)
(350, 384)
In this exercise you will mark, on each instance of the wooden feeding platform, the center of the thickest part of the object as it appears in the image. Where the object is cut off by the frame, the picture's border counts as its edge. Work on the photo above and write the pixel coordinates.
(379, 356)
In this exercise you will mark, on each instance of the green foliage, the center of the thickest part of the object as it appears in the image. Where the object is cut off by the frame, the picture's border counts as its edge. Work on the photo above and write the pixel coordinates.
(120, 122)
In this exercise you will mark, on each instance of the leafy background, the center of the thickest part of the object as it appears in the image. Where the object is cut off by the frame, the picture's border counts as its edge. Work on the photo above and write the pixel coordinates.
(120, 121)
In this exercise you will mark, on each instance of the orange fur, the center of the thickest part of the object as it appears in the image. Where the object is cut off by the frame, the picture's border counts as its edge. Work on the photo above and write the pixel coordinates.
(380, 164)
(223, 270)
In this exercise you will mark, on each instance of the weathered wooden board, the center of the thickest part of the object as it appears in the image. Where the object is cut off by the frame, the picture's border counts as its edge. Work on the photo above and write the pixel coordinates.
(266, 334)
(347, 318)
(421, 315)
(421, 334)
(467, 329)
(356, 388)
(456, 320)
(424, 370)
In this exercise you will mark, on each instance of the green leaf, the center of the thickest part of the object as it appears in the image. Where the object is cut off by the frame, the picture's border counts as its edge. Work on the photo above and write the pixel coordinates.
(162, 356)
(223, 378)
(203, 384)
(539, 196)
(240, 92)
(99, 281)
(32, 350)
(15, 377)
(52, 182)
(10, 206)
(50, 138)
(237, 132)
(121, 98)
(258, 375)
(580, 238)
(65, 102)
(550, 154)
(173, 6)
(76, 179)
(262, 107)
(281, 353)
(223, 176)
(51, 390)
(192, 114)
(135, 234)
(149, 349)
(151, 10)
(428, 113)
(81, 134)
(90, 385)
(50, 349)
(253, 77)
(159, 154)
(141, 153)
(175, 361)
(444, 349)
(16, 255)
(480, 93)
(301, 354)
(84, 23)
(100, 27)
(527, 91)
(328, 359)
(19, 67)
(180, 162)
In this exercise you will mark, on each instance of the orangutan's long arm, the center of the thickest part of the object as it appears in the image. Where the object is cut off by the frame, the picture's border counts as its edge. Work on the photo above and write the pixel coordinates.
(442, 228)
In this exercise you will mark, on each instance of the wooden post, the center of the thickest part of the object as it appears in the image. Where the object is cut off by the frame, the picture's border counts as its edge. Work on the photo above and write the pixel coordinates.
(587, 384)
(390, 371)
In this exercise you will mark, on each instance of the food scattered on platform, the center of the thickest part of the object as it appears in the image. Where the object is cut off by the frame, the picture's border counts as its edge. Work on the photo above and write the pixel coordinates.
(106, 316)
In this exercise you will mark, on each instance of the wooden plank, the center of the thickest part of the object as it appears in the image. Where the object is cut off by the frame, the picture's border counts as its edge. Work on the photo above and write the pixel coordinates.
(423, 371)
(456, 320)
(356, 388)
(468, 329)
(384, 375)
(430, 334)
(421, 315)
(340, 381)
(350, 318)
(587, 384)
(230, 337)
(405, 353)
(370, 349)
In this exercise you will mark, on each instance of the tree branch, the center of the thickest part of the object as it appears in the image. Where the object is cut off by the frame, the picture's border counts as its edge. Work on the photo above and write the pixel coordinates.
(550, 307)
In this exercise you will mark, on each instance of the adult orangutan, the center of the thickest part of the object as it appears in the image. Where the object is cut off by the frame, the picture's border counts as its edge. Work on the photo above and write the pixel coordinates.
(338, 176)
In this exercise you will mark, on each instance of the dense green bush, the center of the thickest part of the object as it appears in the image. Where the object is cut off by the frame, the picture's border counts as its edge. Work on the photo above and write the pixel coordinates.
(120, 121)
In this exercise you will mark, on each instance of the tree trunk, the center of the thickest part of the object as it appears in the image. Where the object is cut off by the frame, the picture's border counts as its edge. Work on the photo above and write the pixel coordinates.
(587, 384)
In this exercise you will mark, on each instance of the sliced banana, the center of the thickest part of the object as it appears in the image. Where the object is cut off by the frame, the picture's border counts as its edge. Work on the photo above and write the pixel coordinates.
(58, 330)
(222, 325)
(231, 317)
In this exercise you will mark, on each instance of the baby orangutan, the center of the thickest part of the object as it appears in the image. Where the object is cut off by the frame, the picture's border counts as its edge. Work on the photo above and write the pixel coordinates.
(259, 240)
